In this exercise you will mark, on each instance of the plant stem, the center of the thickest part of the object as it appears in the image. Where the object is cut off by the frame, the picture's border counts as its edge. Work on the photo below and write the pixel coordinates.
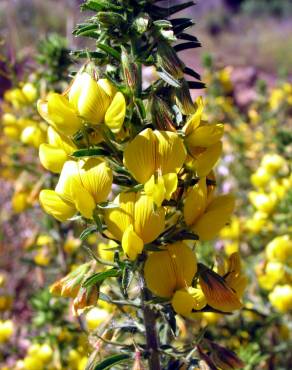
(150, 328)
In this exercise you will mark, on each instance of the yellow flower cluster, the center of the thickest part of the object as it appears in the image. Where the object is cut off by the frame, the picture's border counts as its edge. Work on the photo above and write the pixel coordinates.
(271, 189)
(6, 330)
(18, 119)
(166, 167)
(275, 275)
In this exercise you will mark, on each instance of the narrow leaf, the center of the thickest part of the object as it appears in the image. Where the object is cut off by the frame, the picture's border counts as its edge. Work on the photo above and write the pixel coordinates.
(85, 233)
(186, 46)
(196, 85)
(168, 78)
(192, 73)
(110, 361)
(99, 277)
(94, 152)
(109, 50)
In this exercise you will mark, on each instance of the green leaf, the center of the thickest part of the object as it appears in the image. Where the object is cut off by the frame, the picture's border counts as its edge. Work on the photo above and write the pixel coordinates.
(168, 78)
(94, 152)
(98, 5)
(110, 361)
(109, 50)
(85, 233)
(99, 277)
(87, 54)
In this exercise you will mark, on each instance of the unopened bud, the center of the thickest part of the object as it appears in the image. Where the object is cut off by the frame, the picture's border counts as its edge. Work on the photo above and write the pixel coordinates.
(85, 298)
(138, 364)
(141, 23)
(161, 114)
(169, 61)
(109, 19)
(224, 358)
(129, 69)
(69, 286)
(183, 99)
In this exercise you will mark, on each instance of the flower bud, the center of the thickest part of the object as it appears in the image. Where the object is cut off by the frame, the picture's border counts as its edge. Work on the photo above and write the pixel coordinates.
(224, 358)
(161, 114)
(86, 297)
(141, 23)
(129, 69)
(183, 98)
(108, 19)
(168, 60)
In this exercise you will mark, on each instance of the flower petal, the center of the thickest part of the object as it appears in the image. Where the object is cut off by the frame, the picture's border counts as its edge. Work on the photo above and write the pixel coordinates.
(55, 206)
(132, 244)
(140, 156)
(216, 216)
(52, 158)
(115, 115)
(195, 202)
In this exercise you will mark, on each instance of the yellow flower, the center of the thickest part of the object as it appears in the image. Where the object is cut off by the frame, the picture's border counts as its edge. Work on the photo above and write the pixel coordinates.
(96, 316)
(170, 270)
(263, 202)
(6, 330)
(29, 91)
(154, 158)
(19, 201)
(81, 186)
(54, 154)
(33, 363)
(280, 249)
(206, 217)
(97, 101)
(202, 160)
(261, 177)
(281, 298)
(272, 162)
(33, 135)
(59, 113)
(134, 222)
(203, 142)
(186, 302)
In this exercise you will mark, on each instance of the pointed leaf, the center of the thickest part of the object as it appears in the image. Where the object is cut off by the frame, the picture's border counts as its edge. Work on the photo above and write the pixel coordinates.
(186, 46)
(110, 361)
(94, 152)
(85, 233)
(99, 277)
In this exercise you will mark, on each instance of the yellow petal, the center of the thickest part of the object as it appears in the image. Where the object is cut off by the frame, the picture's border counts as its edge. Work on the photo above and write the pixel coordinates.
(61, 114)
(218, 294)
(60, 141)
(205, 135)
(70, 170)
(148, 222)
(205, 161)
(170, 184)
(170, 270)
(185, 302)
(156, 190)
(132, 244)
(55, 206)
(89, 98)
(171, 152)
(33, 135)
(115, 115)
(195, 202)
(194, 121)
(140, 156)
(107, 86)
(118, 219)
(52, 158)
(83, 200)
(215, 217)
(96, 178)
